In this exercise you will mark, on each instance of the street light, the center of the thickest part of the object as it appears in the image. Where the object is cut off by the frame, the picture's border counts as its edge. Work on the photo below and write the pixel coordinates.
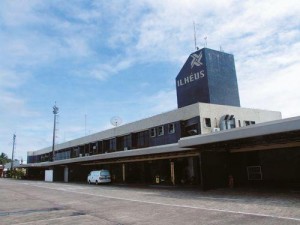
(55, 112)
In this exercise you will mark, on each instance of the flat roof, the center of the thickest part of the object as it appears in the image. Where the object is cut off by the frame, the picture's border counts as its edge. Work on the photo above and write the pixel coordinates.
(284, 126)
(261, 129)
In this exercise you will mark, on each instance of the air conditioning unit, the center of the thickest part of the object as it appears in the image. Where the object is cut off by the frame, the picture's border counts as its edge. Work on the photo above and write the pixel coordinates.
(192, 132)
(215, 129)
(125, 148)
(80, 155)
(87, 154)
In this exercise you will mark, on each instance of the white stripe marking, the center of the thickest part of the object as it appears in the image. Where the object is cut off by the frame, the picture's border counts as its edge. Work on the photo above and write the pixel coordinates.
(59, 218)
(174, 205)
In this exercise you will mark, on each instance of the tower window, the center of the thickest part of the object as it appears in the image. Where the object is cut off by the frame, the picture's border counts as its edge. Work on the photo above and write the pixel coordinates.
(207, 122)
(248, 123)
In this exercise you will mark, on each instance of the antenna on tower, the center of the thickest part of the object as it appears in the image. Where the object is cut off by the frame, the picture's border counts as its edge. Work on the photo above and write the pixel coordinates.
(205, 41)
(195, 36)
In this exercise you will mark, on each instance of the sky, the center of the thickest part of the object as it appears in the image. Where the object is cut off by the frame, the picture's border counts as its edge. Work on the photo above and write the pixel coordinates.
(100, 59)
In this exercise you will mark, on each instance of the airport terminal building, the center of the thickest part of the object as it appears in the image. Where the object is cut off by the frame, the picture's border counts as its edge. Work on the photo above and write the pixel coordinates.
(208, 139)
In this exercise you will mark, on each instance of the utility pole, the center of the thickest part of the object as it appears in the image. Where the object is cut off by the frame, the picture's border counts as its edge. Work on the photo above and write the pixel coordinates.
(55, 112)
(13, 152)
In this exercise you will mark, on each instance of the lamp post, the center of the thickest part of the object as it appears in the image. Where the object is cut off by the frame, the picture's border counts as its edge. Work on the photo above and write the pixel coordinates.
(55, 112)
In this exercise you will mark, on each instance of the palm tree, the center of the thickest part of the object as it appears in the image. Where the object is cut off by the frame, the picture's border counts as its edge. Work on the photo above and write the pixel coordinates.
(4, 158)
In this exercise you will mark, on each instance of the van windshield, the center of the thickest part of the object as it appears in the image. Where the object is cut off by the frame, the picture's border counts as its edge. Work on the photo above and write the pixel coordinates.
(104, 173)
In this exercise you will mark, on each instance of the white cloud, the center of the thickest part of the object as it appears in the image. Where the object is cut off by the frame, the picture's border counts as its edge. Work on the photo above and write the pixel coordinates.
(102, 39)
(18, 13)
(11, 102)
(277, 91)
(160, 102)
(12, 79)
(103, 71)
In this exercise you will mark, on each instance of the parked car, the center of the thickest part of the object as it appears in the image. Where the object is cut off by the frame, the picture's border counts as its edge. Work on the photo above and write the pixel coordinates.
(99, 176)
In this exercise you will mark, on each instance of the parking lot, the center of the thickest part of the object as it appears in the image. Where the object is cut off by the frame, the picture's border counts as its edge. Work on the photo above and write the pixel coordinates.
(37, 202)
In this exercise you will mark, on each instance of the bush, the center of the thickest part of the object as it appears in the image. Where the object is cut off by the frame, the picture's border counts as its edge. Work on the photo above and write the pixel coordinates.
(16, 173)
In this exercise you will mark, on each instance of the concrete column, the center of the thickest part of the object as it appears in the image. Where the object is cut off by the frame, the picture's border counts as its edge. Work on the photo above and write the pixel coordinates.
(191, 172)
(201, 171)
(124, 172)
(172, 173)
(66, 174)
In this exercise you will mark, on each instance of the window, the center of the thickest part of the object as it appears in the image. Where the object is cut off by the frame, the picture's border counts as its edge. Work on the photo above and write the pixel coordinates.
(143, 139)
(160, 130)
(171, 128)
(127, 141)
(90, 147)
(254, 172)
(191, 130)
(152, 132)
(248, 122)
(94, 147)
(112, 144)
(76, 152)
(207, 122)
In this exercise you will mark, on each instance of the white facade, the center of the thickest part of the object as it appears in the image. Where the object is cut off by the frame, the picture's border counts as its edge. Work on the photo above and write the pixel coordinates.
(241, 115)
(203, 110)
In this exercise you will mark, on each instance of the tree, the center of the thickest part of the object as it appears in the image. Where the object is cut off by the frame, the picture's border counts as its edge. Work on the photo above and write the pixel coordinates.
(4, 158)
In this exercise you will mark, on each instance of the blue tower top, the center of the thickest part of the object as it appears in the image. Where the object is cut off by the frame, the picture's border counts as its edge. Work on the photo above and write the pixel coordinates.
(208, 76)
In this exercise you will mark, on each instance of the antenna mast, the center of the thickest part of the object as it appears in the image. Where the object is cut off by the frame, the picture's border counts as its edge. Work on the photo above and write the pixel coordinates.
(195, 36)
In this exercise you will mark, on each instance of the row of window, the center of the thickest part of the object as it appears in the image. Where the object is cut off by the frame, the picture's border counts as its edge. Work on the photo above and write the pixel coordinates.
(131, 141)
(159, 131)
(207, 122)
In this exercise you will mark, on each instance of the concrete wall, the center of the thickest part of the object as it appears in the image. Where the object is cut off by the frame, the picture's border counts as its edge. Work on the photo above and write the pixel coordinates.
(204, 110)
(279, 167)
(140, 125)
(215, 112)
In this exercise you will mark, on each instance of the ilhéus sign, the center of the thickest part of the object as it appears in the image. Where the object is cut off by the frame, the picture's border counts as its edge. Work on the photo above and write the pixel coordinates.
(193, 69)
(192, 80)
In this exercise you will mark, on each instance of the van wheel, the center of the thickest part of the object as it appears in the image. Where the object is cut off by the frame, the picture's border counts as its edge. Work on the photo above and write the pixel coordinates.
(96, 182)
(89, 182)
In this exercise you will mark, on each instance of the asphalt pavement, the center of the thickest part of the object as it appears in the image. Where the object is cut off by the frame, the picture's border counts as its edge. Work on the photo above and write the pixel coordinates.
(38, 202)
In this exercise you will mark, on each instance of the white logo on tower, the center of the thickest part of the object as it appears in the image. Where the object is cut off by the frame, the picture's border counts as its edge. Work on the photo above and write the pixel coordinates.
(195, 75)
(196, 59)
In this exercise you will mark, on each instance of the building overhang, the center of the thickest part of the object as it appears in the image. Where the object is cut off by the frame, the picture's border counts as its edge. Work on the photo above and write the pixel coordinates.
(270, 135)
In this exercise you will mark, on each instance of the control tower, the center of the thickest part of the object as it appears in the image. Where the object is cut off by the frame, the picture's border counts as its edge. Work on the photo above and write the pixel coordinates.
(208, 76)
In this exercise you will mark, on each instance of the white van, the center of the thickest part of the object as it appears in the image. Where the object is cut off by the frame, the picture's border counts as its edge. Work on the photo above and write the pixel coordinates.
(99, 176)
